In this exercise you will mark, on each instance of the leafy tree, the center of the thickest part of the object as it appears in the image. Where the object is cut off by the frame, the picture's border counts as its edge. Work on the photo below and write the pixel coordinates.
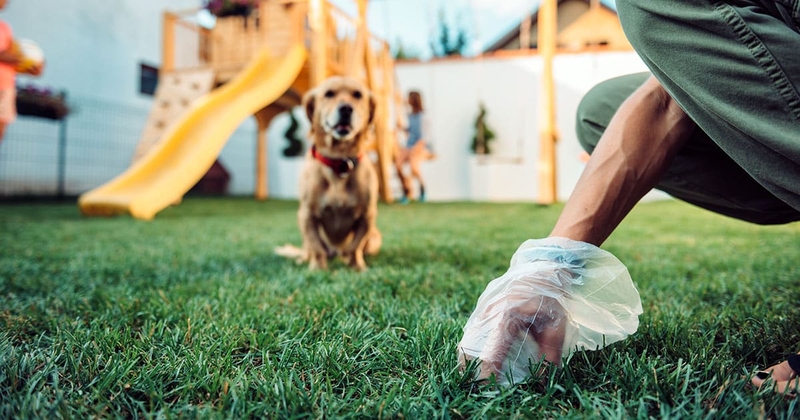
(443, 45)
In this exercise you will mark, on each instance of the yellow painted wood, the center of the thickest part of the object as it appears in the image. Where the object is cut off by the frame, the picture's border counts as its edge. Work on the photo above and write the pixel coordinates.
(264, 118)
(191, 146)
(168, 42)
(547, 121)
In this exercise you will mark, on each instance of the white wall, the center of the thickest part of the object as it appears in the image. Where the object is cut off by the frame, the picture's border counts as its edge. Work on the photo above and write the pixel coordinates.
(93, 47)
(510, 89)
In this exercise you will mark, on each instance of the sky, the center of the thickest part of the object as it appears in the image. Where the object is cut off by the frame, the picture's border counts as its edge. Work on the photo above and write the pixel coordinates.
(415, 22)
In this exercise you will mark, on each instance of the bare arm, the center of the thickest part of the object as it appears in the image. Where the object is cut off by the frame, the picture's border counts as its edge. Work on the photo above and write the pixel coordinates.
(636, 149)
(10, 56)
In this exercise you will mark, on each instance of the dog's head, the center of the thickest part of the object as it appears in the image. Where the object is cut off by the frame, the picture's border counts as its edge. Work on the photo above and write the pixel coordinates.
(339, 109)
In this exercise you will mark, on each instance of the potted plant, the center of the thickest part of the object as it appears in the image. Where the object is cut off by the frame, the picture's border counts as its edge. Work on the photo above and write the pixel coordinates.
(43, 102)
(295, 146)
(483, 134)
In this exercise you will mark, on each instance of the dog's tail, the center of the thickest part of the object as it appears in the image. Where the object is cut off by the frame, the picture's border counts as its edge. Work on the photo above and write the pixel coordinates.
(291, 252)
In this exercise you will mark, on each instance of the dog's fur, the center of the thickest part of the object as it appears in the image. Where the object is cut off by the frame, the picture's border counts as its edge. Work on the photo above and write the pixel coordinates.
(338, 211)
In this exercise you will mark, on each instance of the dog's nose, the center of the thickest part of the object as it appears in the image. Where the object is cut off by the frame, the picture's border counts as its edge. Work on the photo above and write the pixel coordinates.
(345, 111)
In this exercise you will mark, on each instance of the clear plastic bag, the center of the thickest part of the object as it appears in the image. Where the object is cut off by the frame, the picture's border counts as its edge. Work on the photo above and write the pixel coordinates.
(569, 295)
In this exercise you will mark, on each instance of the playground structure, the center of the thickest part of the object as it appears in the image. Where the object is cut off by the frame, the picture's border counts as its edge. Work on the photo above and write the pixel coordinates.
(261, 65)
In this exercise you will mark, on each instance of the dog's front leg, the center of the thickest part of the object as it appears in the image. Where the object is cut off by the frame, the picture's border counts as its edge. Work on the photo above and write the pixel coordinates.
(313, 245)
(355, 249)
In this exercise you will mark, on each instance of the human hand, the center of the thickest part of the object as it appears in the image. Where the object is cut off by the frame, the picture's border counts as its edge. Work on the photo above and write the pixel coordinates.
(11, 56)
(557, 296)
(519, 330)
(36, 70)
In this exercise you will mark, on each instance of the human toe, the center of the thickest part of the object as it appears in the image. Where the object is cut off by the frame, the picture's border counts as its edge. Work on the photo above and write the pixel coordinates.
(784, 373)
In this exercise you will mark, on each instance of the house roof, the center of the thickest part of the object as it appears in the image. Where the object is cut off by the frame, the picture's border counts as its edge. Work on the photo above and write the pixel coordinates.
(514, 32)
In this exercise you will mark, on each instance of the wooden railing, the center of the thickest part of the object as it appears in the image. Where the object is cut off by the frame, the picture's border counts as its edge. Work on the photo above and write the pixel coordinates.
(231, 43)
(275, 25)
(184, 42)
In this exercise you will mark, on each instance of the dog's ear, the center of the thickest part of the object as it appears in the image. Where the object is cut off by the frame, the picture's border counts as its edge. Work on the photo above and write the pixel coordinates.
(372, 105)
(309, 101)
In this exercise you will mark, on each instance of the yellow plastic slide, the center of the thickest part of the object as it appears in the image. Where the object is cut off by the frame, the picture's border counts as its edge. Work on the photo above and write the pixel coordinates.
(191, 145)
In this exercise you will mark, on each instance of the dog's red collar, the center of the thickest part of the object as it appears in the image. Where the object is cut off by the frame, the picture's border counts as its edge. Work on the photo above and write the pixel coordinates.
(341, 167)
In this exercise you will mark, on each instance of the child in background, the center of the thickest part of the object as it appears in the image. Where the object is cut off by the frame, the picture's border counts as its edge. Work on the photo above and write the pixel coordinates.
(416, 149)
(10, 58)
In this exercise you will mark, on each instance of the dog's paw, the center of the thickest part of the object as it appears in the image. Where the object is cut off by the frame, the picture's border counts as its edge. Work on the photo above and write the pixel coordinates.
(316, 266)
(357, 263)
(317, 261)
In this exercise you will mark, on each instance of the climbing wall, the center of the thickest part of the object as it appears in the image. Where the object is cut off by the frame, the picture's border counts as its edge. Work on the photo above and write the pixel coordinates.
(175, 93)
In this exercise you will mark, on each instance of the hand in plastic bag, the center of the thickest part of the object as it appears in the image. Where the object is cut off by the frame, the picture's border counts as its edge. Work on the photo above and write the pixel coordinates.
(557, 296)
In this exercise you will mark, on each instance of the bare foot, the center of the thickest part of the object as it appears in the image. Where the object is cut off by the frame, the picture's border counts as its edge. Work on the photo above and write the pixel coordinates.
(783, 376)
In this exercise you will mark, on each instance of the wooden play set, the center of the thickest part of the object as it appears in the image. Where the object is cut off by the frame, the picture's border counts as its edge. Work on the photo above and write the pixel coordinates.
(259, 63)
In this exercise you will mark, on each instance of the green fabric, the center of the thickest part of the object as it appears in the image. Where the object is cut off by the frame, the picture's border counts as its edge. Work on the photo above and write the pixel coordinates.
(735, 69)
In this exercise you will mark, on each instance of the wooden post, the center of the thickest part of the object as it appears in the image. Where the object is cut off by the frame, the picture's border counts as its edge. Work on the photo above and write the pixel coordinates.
(356, 61)
(387, 140)
(299, 18)
(263, 118)
(168, 42)
(547, 120)
(318, 15)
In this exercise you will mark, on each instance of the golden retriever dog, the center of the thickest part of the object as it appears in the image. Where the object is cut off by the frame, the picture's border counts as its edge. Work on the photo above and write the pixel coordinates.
(338, 183)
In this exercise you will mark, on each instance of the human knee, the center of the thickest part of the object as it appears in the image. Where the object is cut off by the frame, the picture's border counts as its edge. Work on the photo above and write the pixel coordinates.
(599, 104)
(594, 113)
(588, 126)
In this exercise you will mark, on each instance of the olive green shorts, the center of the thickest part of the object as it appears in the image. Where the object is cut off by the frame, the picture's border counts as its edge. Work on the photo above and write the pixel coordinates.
(734, 67)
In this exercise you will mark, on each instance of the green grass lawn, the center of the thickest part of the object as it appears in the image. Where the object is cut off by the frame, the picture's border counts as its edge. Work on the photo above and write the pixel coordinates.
(191, 315)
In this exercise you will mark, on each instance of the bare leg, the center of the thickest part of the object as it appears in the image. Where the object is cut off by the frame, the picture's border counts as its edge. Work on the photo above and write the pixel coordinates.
(416, 156)
(400, 157)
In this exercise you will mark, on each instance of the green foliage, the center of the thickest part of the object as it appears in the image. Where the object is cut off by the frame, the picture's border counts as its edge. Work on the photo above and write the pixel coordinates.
(225, 8)
(481, 141)
(192, 316)
(443, 45)
(402, 53)
(295, 146)
(43, 102)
